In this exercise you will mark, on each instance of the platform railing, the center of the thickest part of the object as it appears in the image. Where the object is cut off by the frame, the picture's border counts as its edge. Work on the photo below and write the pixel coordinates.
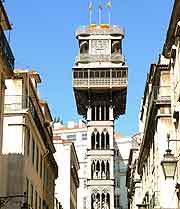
(99, 29)
(86, 58)
(99, 82)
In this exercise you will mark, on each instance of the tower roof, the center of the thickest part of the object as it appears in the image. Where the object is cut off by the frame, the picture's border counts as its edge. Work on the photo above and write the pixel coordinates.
(101, 29)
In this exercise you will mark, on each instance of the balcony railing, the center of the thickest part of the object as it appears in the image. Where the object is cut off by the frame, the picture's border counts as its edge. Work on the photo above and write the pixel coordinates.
(99, 82)
(6, 50)
(16, 103)
(159, 95)
(86, 58)
(162, 94)
(88, 30)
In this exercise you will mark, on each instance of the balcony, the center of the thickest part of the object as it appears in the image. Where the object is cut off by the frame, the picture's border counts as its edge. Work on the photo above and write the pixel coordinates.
(16, 103)
(159, 95)
(87, 58)
(6, 53)
(100, 78)
(99, 30)
(99, 82)
(162, 94)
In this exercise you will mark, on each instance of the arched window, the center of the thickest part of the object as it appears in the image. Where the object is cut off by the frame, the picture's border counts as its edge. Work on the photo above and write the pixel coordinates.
(103, 199)
(102, 112)
(107, 141)
(84, 47)
(107, 170)
(98, 169)
(102, 140)
(103, 171)
(108, 199)
(93, 112)
(107, 112)
(92, 200)
(97, 112)
(93, 140)
(97, 140)
(92, 169)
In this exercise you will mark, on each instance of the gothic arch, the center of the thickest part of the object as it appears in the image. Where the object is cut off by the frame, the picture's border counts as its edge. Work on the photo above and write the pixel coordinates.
(97, 140)
(93, 140)
(107, 141)
(102, 140)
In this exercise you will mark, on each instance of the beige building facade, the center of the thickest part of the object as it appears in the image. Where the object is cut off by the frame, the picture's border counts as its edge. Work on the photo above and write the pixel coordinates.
(6, 62)
(68, 166)
(133, 180)
(27, 164)
(171, 51)
(156, 123)
(159, 185)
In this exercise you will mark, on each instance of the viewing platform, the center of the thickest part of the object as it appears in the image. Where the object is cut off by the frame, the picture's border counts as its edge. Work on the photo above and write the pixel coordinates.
(87, 58)
(101, 29)
(116, 78)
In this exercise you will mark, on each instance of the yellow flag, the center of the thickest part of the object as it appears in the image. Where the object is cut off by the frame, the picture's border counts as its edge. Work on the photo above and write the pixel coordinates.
(90, 6)
(109, 4)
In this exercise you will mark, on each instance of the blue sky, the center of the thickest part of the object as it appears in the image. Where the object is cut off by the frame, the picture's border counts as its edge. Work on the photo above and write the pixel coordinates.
(43, 39)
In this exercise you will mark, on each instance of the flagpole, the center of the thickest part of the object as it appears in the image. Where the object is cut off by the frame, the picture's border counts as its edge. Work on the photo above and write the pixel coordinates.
(99, 16)
(109, 14)
(90, 12)
(109, 5)
(90, 17)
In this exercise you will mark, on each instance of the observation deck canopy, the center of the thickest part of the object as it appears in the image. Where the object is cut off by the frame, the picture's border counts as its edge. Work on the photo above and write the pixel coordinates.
(104, 85)
(102, 29)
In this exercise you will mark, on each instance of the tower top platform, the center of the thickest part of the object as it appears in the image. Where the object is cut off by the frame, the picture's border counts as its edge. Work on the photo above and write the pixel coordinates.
(102, 29)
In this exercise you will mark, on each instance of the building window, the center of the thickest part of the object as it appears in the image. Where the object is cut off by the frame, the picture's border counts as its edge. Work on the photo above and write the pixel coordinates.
(33, 151)
(71, 137)
(85, 184)
(41, 164)
(31, 196)
(115, 201)
(27, 188)
(36, 200)
(37, 159)
(118, 201)
(84, 202)
(118, 182)
(27, 135)
(39, 202)
(84, 136)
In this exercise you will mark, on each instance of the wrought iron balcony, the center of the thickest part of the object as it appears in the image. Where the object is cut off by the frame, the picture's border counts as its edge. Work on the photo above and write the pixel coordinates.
(100, 78)
(99, 82)
(87, 58)
(6, 51)
(161, 94)
(16, 103)
(100, 30)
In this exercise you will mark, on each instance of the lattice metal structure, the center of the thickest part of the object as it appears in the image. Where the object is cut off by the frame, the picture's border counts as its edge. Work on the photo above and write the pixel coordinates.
(100, 79)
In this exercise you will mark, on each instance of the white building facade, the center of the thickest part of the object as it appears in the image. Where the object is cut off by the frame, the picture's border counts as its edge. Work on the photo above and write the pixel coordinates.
(27, 164)
(122, 146)
(68, 165)
(78, 134)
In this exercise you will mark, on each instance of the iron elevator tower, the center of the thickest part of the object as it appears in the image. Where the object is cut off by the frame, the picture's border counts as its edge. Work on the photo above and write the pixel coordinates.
(100, 89)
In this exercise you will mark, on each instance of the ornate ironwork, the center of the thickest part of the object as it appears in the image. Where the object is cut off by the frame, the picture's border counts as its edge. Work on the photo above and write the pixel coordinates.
(111, 30)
